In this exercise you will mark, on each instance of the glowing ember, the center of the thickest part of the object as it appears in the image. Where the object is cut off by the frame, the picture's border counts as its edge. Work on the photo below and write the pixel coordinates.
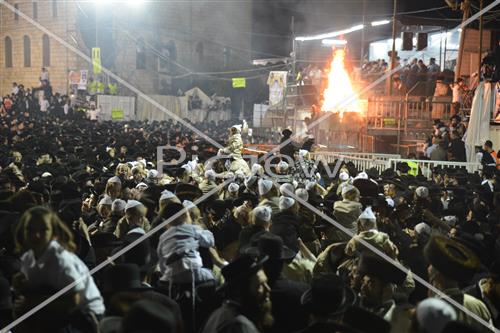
(339, 95)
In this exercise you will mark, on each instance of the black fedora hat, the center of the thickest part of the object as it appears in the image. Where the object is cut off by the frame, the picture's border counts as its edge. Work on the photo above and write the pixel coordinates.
(286, 132)
(271, 245)
(328, 295)
(122, 277)
(374, 265)
(240, 269)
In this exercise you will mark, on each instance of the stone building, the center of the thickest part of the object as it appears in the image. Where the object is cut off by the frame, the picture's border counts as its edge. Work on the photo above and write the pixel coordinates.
(156, 46)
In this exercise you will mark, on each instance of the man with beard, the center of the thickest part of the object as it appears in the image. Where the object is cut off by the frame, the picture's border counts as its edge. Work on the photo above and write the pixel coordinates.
(247, 305)
(488, 291)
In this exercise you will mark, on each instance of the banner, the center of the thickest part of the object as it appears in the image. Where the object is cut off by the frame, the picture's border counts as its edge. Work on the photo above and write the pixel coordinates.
(96, 59)
(117, 114)
(239, 82)
(277, 86)
(74, 77)
(82, 83)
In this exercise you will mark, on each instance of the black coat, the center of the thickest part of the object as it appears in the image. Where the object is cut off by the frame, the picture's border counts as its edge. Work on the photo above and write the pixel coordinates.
(286, 225)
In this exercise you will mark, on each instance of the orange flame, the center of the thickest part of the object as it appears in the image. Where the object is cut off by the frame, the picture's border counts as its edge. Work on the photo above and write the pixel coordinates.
(339, 96)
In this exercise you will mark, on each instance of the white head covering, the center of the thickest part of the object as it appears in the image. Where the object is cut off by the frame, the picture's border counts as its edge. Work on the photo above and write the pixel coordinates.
(302, 194)
(257, 169)
(422, 192)
(46, 174)
(303, 152)
(238, 127)
(265, 186)
(141, 185)
(310, 185)
(433, 314)
(229, 175)
(343, 176)
(118, 206)
(451, 220)
(368, 214)
(210, 174)
(263, 213)
(114, 179)
(132, 204)
(286, 202)
(361, 175)
(166, 194)
(283, 165)
(233, 188)
(187, 168)
(188, 204)
(239, 174)
(286, 189)
(106, 200)
(152, 174)
(423, 228)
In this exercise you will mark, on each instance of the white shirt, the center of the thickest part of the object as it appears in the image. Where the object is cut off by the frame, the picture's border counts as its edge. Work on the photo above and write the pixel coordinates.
(44, 105)
(15, 90)
(93, 114)
(66, 108)
(57, 268)
(44, 76)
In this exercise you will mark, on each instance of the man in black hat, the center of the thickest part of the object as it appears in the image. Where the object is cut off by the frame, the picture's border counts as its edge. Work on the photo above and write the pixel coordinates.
(380, 278)
(289, 148)
(247, 304)
(285, 294)
(452, 263)
(326, 301)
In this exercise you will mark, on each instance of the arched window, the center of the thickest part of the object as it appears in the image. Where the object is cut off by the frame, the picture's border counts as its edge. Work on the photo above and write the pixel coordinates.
(8, 52)
(46, 51)
(27, 51)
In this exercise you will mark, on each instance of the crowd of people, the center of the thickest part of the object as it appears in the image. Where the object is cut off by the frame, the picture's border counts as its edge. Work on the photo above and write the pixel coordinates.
(213, 243)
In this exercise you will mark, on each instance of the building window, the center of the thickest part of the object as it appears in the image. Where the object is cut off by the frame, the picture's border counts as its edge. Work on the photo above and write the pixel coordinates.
(46, 51)
(140, 60)
(27, 51)
(8, 52)
(16, 15)
(54, 8)
(35, 10)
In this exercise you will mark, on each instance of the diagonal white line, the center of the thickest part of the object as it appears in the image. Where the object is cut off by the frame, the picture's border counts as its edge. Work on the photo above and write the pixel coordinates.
(354, 96)
(111, 74)
(109, 260)
(393, 262)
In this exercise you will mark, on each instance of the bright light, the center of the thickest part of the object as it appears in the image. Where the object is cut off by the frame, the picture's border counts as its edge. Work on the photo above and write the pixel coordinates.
(330, 34)
(375, 23)
(102, 2)
(135, 3)
(331, 42)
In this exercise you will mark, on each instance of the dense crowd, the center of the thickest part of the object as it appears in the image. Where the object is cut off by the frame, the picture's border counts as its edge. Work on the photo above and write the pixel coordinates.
(276, 245)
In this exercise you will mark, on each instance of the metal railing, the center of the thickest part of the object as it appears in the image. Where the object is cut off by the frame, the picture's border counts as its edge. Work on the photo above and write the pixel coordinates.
(426, 167)
(362, 162)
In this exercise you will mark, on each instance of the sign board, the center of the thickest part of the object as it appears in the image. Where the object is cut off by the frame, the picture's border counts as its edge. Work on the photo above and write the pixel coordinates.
(117, 114)
(82, 84)
(277, 84)
(96, 59)
(239, 82)
(74, 77)
(389, 121)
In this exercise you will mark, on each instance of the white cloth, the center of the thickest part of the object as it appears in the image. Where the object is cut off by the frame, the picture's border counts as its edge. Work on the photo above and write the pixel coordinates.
(478, 130)
(44, 105)
(93, 114)
(57, 268)
(178, 255)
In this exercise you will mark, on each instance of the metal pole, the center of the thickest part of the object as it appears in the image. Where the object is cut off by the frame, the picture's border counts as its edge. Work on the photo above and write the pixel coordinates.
(440, 48)
(445, 47)
(465, 8)
(393, 53)
(363, 35)
(480, 40)
(294, 69)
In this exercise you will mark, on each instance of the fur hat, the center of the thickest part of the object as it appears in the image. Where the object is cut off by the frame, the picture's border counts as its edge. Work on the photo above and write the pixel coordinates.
(452, 259)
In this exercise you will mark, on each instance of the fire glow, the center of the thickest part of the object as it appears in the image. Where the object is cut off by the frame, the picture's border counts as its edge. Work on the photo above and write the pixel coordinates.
(339, 96)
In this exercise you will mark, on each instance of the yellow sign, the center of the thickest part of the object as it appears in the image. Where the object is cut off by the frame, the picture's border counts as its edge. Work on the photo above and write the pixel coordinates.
(239, 82)
(96, 59)
(389, 121)
(117, 114)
